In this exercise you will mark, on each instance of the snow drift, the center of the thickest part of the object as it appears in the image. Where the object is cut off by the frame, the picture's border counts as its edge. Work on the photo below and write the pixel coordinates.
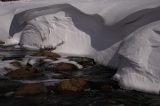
(119, 33)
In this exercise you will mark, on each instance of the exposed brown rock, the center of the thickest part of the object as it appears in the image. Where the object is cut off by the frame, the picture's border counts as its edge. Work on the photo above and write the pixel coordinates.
(31, 89)
(72, 85)
(47, 54)
(65, 67)
(24, 72)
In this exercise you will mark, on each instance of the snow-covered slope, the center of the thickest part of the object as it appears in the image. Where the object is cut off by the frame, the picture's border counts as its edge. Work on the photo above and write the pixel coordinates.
(139, 63)
(50, 30)
(119, 33)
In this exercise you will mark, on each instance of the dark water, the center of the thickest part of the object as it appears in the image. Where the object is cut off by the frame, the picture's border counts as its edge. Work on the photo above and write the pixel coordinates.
(95, 75)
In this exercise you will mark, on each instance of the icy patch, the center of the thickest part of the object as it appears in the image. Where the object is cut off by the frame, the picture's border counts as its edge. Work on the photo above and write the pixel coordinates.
(68, 61)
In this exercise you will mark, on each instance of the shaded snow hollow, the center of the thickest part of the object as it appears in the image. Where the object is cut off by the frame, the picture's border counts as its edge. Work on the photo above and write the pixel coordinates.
(119, 33)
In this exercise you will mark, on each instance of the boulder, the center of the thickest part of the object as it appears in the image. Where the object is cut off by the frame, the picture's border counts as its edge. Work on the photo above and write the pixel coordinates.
(72, 85)
(65, 67)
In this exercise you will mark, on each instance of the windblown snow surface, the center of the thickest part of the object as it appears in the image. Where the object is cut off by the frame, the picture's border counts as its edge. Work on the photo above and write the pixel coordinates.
(120, 33)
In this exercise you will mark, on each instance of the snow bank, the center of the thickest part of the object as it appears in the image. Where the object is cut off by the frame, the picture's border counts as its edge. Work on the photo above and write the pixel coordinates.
(50, 30)
(5, 21)
(113, 32)
(139, 68)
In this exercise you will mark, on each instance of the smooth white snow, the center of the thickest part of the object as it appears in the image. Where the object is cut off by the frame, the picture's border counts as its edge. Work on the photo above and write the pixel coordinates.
(139, 64)
(121, 33)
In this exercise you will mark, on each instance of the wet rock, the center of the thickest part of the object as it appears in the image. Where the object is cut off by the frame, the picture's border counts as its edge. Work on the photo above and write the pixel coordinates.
(16, 63)
(84, 61)
(24, 72)
(31, 89)
(65, 67)
(48, 54)
(72, 85)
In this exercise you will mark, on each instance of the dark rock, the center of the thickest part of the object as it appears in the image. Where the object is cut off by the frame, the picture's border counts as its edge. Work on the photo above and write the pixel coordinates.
(84, 61)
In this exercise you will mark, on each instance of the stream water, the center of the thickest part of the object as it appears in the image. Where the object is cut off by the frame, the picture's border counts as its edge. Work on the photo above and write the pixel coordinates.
(95, 75)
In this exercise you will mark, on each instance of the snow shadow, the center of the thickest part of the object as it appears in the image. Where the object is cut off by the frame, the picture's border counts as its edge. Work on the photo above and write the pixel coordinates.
(102, 36)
